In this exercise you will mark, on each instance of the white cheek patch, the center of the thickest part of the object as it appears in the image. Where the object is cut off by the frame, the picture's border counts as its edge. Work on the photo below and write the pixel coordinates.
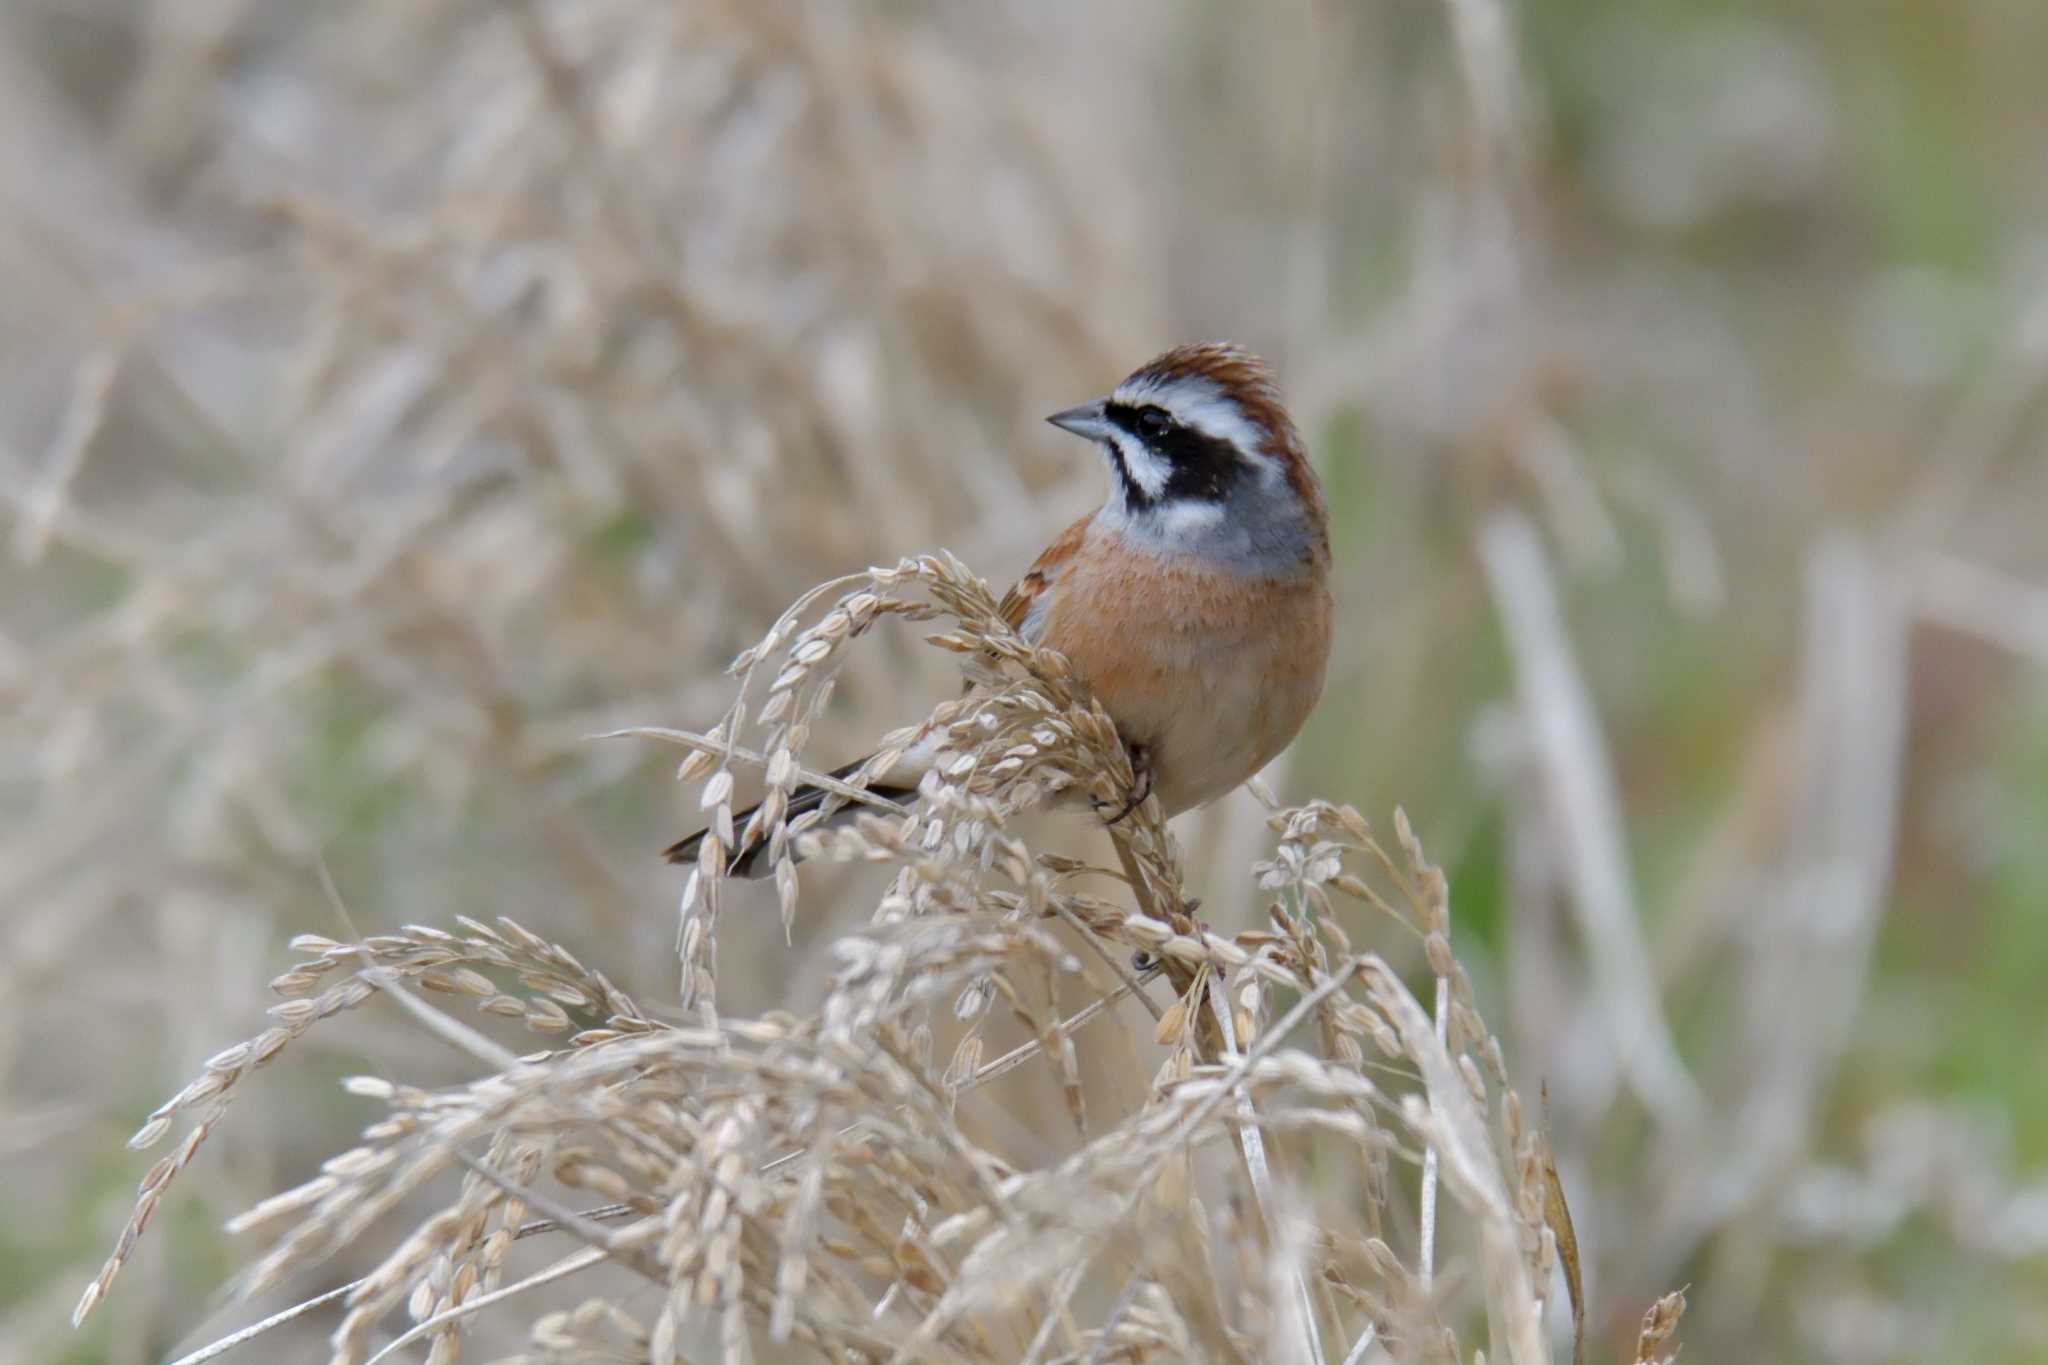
(1184, 519)
(1181, 526)
(1147, 470)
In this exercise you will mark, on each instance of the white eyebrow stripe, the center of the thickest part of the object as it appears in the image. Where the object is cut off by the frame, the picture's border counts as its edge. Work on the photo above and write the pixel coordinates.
(1196, 402)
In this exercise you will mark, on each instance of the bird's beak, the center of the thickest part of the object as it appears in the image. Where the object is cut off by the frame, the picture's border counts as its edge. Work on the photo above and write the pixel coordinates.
(1086, 421)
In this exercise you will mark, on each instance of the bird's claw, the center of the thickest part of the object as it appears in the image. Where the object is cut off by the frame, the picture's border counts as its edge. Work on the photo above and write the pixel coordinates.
(1141, 784)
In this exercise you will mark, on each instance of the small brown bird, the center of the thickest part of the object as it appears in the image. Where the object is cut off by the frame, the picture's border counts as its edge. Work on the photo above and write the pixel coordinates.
(1194, 601)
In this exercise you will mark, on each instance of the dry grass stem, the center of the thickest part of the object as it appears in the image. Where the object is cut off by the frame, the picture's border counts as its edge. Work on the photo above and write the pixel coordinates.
(1564, 734)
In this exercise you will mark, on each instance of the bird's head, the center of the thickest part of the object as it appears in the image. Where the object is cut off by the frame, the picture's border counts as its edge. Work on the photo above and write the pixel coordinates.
(1205, 461)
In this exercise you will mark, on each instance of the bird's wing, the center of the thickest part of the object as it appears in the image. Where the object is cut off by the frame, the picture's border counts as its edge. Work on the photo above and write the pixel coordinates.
(1025, 605)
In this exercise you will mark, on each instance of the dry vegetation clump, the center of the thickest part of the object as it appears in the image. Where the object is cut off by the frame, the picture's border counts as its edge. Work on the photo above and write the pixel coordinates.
(830, 1176)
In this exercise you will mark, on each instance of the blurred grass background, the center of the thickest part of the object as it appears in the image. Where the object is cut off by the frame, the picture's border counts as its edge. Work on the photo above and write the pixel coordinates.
(393, 394)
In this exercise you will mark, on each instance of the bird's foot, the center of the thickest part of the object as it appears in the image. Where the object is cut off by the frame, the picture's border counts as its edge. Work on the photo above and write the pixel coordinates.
(1141, 783)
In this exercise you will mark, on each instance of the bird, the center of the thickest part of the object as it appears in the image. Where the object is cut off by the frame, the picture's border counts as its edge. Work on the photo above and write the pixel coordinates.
(1194, 602)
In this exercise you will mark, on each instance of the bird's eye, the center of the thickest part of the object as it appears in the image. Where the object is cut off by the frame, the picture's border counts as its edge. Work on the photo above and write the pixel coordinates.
(1153, 421)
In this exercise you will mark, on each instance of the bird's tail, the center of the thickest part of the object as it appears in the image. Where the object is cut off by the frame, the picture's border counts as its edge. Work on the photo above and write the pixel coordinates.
(751, 860)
